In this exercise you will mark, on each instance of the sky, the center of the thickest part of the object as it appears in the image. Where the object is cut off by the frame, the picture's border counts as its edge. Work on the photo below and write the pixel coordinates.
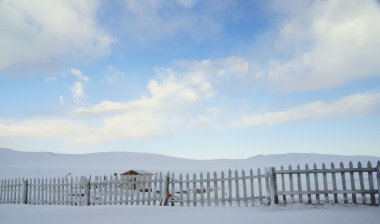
(190, 78)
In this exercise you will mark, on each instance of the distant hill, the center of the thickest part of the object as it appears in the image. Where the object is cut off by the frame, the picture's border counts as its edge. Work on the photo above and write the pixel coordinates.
(47, 164)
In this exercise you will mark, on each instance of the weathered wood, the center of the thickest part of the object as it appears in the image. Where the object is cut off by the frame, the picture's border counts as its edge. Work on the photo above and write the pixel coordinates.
(116, 188)
(194, 190)
(216, 189)
(291, 184)
(160, 184)
(229, 187)
(187, 190)
(251, 187)
(299, 185)
(267, 186)
(361, 180)
(352, 179)
(208, 189)
(201, 189)
(308, 184)
(260, 186)
(181, 191)
(25, 191)
(325, 187)
(223, 189)
(150, 189)
(316, 183)
(344, 187)
(273, 186)
(173, 189)
(371, 185)
(333, 176)
(143, 184)
(244, 189)
(283, 185)
(237, 188)
(87, 192)
(155, 189)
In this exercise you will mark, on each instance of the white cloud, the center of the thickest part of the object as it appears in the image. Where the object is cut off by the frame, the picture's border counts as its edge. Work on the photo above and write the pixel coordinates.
(353, 105)
(114, 75)
(38, 36)
(77, 91)
(79, 75)
(326, 44)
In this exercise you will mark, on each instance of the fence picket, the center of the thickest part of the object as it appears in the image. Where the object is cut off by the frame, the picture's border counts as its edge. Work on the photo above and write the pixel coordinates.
(194, 189)
(173, 189)
(378, 181)
(244, 188)
(361, 179)
(155, 189)
(216, 189)
(143, 190)
(187, 190)
(299, 185)
(352, 179)
(260, 186)
(208, 189)
(223, 189)
(344, 187)
(201, 189)
(333, 176)
(181, 191)
(308, 184)
(150, 189)
(251, 187)
(325, 187)
(371, 186)
(230, 187)
(317, 197)
(1, 191)
(291, 184)
(283, 186)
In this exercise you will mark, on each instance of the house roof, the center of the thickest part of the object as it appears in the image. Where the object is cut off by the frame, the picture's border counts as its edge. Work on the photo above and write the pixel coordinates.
(137, 172)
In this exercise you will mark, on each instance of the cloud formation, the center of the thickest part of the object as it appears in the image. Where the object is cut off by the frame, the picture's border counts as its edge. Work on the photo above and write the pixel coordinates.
(78, 88)
(325, 44)
(43, 36)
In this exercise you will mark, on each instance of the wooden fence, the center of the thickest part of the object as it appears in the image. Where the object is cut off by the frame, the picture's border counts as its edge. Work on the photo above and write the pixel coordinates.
(326, 185)
(260, 187)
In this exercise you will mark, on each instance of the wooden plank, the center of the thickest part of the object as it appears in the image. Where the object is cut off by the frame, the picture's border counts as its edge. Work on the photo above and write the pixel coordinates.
(173, 189)
(237, 188)
(299, 185)
(105, 190)
(187, 190)
(208, 189)
(308, 184)
(323, 192)
(267, 186)
(138, 187)
(252, 187)
(316, 183)
(352, 180)
(180, 190)
(46, 191)
(333, 176)
(223, 189)
(260, 186)
(361, 179)
(371, 185)
(160, 184)
(42, 191)
(116, 189)
(244, 189)
(344, 187)
(283, 185)
(71, 191)
(201, 189)
(291, 184)
(150, 189)
(325, 187)
(229, 187)
(337, 170)
(1, 191)
(155, 189)
(216, 189)
(110, 190)
(194, 190)
(144, 188)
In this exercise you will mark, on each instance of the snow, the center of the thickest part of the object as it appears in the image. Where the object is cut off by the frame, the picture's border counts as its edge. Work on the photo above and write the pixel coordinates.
(292, 214)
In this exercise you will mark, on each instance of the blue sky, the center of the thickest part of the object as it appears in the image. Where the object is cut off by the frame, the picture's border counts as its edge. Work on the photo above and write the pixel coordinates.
(190, 78)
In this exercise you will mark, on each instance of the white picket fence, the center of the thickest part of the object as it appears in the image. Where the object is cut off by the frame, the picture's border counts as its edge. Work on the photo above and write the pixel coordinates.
(259, 187)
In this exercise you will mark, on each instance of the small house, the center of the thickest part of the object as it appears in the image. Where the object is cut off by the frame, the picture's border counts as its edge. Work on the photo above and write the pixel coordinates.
(135, 179)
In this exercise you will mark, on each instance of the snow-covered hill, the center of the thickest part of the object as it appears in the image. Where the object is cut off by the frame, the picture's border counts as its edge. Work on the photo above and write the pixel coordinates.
(46, 164)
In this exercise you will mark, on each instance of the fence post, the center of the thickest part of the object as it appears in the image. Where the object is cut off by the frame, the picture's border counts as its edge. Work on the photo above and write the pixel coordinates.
(273, 185)
(25, 191)
(87, 192)
(378, 181)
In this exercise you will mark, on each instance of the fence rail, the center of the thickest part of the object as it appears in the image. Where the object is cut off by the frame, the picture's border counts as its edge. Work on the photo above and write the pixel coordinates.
(350, 184)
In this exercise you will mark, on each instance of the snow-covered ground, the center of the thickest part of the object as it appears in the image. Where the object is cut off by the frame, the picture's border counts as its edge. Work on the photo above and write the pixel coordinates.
(292, 214)
(14, 164)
